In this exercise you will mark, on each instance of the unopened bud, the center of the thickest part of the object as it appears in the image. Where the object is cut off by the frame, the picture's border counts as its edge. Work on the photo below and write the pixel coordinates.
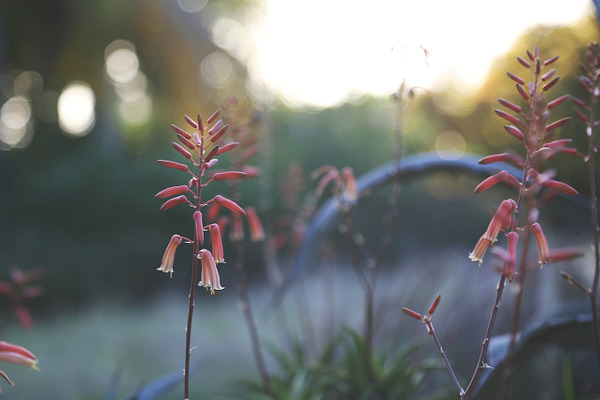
(434, 305)
(412, 313)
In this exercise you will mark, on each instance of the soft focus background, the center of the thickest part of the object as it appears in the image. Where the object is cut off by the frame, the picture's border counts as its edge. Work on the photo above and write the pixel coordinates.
(87, 93)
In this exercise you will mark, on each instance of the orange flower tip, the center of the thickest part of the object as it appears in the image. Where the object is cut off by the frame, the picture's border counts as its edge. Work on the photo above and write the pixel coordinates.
(557, 124)
(180, 131)
(173, 164)
(227, 147)
(501, 176)
(412, 313)
(191, 122)
(550, 84)
(172, 191)
(434, 305)
(219, 176)
(507, 116)
(516, 78)
(173, 202)
(213, 117)
(510, 105)
(230, 205)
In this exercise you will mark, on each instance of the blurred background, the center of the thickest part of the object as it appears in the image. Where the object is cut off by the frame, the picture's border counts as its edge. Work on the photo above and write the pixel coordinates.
(88, 90)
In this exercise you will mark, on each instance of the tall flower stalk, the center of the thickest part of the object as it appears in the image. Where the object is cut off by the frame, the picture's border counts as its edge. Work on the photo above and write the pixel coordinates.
(199, 150)
(517, 219)
(590, 80)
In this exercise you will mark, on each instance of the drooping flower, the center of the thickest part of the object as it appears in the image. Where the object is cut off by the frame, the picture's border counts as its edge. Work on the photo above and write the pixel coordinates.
(199, 227)
(217, 243)
(501, 219)
(257, 232)
(18, 355)
(480, 249)
(210, 275)
(542, 243)
(169, 256)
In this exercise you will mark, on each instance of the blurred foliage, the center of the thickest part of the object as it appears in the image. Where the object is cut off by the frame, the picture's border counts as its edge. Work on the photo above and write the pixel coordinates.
(341, 372)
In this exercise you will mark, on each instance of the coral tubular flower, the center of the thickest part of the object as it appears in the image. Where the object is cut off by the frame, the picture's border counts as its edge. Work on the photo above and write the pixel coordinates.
(169, 256)
(219, 176)
(509, 264)
(559, 186)
(542, 243)
(217, 243)
(257, 232)
(175, 201)
(173, 164)
(501, 176)
(172, 191)
(230, 205)
(501, 220)
(480, 249)
(210, 275)
(17, 355)
(506, 157)
(199, 227)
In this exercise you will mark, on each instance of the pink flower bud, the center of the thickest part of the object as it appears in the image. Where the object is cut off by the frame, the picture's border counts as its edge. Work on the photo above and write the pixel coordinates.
(516, 132)
(192, 123)
(214, 116)
(507, 116)
(251, 171)
(215, 127)
(559, 186)
(169, 256)
(237, 229)
(434, 305)
(582, 116)
(412, 313)
(550, 84)
(550, 61)
(230, 205)
(217, 243)
(219, 176)
(214, 151)
(218, 135)
(510, 105)
(227, 147)
(186, 142)
(515, 78)
(175, 201)
(501, 176)
(558, 143)
(172, 191)
(578, 101)
(173, 164)
(257, 232)
(180, 131)
(523, 62)
(522, 92)
(548, 75)
(530, 55)
(506, 157)
(199, 227)
(181, 150)
(24, 317)
(558, 101)
(542, 243)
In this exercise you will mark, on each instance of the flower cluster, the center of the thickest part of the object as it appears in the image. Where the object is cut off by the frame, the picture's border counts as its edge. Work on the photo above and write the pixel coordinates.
(531, 126)
(199, 149)
(18, 290)
(244, 146)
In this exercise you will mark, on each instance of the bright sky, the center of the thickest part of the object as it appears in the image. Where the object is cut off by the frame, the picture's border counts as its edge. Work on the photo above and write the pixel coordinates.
(321, 53)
